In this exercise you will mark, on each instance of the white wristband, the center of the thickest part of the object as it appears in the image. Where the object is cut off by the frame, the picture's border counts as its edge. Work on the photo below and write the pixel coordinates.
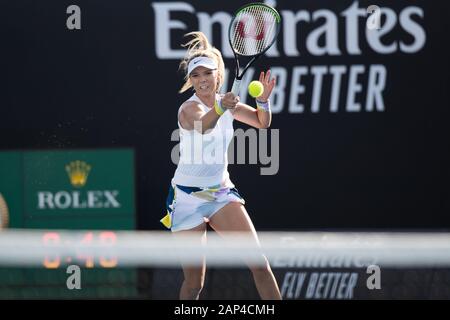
(264, 106)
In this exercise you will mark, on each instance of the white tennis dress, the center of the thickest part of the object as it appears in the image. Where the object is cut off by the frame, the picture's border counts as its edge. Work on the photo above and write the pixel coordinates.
(201, 184)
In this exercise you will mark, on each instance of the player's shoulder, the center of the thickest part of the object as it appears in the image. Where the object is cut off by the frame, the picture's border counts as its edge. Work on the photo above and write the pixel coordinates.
(190, 106)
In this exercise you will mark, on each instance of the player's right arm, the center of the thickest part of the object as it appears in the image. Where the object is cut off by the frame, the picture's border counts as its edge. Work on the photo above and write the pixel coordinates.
(193, 117)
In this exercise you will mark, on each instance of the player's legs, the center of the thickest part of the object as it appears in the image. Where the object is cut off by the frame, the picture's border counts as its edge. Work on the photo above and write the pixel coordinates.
(194, 274)
(234, 217)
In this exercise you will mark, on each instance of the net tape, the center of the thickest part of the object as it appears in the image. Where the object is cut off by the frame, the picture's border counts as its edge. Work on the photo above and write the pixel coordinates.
(28, 248)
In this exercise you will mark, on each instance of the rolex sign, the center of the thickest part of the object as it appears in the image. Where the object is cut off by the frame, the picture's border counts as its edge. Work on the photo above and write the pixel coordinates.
(92, 189)
(76, 182)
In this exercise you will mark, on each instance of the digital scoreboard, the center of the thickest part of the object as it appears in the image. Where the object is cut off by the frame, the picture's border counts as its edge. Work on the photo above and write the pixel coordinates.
(91, 190)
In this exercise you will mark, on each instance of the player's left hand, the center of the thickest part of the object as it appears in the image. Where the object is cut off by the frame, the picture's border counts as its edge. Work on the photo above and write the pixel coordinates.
(268, 84)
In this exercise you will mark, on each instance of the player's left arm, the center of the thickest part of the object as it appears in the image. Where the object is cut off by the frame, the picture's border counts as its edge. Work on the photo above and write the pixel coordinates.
(257, 118)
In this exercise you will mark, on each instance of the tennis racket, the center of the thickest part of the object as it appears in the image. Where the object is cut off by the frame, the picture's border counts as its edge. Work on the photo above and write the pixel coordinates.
(253, 30)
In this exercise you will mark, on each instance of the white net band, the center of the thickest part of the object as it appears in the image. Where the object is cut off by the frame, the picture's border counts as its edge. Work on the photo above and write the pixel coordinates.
(33, 248)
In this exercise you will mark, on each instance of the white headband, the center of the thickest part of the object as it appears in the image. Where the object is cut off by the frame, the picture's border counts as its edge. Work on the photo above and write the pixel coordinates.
(201, 61)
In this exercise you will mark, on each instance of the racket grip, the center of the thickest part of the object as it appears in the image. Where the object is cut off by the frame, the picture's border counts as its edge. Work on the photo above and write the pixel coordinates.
(236, 87)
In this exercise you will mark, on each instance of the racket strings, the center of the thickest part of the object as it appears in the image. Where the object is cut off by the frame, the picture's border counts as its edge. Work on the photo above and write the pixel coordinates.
(248, 25)
(253, 31)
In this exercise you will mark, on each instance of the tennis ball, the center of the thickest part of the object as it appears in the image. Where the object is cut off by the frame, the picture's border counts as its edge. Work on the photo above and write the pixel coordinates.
(255, 89)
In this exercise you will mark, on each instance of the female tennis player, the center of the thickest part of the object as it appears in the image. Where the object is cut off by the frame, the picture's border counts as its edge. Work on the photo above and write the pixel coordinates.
(201, 190)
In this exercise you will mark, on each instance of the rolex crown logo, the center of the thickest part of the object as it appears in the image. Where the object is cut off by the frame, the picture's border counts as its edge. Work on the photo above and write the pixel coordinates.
(78, 172)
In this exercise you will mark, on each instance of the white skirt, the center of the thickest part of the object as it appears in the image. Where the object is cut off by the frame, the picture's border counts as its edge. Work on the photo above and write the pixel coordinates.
(189, 207)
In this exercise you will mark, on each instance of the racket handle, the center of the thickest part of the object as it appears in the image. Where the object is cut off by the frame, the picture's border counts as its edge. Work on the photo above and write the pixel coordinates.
(236, 87)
